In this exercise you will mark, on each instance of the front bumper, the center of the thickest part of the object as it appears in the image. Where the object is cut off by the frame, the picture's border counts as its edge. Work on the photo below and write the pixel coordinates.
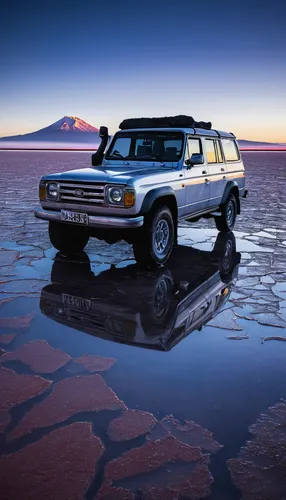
(100, 221)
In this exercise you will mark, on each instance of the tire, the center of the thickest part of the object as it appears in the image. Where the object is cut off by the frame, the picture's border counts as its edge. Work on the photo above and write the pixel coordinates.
(160, 305)
(68, 270)
(162, 296)
(226, 221)
(224, 251)
(70, 240)
(155, 241)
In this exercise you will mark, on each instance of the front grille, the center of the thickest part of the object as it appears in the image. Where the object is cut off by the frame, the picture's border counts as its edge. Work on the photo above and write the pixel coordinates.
(84, 319)
(92, 193)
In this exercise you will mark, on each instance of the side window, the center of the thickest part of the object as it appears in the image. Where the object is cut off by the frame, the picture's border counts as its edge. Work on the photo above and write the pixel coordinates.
(219, 152)
(230, 150)
(211, 151)
(194, 147)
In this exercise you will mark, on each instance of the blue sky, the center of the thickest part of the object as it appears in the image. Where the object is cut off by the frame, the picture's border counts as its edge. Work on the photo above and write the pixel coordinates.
(104, 61)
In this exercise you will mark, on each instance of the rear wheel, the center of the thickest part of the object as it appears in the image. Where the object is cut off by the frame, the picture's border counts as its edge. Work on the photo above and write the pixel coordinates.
(68, 239)
(226, 221)
(155, 241)
(225, 251)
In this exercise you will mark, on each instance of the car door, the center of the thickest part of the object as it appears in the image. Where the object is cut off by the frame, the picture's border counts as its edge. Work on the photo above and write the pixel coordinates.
(234, 165)
(217, 170)
(197, 184)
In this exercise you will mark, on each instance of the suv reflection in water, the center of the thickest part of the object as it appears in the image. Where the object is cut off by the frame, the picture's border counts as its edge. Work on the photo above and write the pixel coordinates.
(152, 309)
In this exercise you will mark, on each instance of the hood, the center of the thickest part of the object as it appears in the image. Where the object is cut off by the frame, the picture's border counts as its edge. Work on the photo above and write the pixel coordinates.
(120, 174)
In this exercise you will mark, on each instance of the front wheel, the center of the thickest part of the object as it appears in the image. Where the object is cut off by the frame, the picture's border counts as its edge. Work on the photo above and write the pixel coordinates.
(70, 240)
(155, 241)
(226, 221)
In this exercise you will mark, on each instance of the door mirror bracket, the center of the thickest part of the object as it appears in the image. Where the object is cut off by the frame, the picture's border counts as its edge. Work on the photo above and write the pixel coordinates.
(196, 159)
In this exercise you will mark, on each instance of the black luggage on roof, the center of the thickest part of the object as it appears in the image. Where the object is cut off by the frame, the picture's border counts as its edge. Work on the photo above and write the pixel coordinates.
(179, 121)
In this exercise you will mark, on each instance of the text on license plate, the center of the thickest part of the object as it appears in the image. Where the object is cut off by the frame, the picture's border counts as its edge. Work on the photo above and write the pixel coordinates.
(76, 217)
(78, 302)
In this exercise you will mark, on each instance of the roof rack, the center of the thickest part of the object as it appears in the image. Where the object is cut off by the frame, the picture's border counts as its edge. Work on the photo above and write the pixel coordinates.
(179, 121)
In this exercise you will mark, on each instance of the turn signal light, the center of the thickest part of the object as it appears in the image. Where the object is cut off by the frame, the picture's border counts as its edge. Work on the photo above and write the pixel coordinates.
(42, 192)
(129, 198)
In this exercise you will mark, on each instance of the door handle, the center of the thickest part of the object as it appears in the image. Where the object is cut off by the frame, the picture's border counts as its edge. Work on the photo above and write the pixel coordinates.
(207, 181)
(224, 177)
(222, 169)
(204, 172)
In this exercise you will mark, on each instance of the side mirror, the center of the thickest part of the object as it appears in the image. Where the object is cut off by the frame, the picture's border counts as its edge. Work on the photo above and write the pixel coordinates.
(196, 159)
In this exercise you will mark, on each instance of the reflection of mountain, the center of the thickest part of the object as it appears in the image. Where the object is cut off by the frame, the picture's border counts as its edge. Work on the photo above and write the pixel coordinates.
(154, 309)
(69, 129)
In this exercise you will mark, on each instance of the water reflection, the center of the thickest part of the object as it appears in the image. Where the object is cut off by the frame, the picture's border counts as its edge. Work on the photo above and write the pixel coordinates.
(153, 309)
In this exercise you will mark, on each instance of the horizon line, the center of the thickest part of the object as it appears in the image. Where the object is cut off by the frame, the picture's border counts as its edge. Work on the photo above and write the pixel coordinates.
(266, 149)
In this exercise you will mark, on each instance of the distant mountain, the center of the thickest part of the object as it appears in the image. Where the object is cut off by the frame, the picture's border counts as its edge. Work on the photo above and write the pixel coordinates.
(256, 144)
(69, 129)
(73, 133)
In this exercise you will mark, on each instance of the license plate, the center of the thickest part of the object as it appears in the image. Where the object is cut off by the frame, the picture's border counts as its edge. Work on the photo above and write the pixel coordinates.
(75, 217)
(78, 302)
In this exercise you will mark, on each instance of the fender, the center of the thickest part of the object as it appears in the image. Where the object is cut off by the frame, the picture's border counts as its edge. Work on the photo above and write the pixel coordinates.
(229, 186)
(153, 195)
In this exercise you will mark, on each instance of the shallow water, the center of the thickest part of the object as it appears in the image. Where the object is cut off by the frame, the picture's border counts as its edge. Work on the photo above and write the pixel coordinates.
(167, 333)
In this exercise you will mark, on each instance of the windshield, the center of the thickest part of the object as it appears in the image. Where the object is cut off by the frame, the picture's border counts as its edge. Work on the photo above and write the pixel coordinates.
(146, 146)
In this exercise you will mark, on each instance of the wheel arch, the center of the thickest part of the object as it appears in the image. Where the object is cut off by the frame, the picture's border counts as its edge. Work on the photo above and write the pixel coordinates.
(160, 197)
(231, 188)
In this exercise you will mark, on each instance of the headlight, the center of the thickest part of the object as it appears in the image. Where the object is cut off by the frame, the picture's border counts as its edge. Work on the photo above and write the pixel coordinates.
(115, 195)
(53, 190)
(123, 197)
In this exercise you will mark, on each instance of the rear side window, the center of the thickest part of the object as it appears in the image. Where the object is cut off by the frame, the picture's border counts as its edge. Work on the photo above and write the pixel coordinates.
(214, 152)
(211, 151)
(219, 153)
(230, 150)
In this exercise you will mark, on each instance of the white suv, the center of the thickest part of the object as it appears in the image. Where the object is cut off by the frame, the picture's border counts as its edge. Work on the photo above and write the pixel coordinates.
(154, 173)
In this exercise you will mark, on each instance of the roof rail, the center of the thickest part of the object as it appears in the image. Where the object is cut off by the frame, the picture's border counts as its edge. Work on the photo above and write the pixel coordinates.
(219, 135)
(204, 132)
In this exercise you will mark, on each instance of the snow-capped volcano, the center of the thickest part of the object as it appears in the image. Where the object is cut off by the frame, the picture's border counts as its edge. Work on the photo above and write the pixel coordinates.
(70, 124)
(69, 129)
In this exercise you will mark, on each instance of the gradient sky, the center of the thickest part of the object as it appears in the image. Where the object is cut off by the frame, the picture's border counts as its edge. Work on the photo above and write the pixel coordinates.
(218, 60)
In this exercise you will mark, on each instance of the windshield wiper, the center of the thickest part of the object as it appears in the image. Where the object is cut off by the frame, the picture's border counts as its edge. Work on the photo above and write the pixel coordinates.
(119, 155)
(152, 157)
(146, 157)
